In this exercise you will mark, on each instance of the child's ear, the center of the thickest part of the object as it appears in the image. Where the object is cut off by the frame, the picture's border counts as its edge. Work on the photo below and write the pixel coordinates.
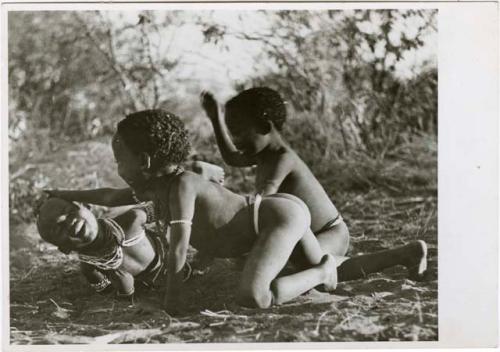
(264, 127)
(145, 161)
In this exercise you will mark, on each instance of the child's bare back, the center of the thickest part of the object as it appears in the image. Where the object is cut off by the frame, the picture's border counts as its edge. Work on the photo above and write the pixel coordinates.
(299, 181)
(255, 118)
(221, 225)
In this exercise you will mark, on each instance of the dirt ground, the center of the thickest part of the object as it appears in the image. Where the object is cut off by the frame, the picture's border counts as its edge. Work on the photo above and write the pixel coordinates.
(50, 303)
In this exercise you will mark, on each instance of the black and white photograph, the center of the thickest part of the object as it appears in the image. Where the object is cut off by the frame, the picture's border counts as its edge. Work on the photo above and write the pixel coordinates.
(186, 176)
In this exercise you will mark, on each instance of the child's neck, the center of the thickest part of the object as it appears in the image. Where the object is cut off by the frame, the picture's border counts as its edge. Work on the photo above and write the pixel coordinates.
(157, 182)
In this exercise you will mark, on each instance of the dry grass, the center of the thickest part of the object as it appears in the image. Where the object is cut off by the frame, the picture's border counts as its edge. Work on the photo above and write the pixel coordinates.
(51, 304)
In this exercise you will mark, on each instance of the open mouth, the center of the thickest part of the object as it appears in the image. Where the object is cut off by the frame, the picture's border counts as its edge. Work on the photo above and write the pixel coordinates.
(79, 229)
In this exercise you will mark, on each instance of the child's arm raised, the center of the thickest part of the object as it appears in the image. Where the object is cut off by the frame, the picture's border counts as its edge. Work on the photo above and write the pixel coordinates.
(229, 153)
(110, 197)
(181, 208)
(273, 179)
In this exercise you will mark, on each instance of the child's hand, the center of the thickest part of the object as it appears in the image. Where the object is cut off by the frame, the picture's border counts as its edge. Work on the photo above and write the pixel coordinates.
(209, 104)
(209, 171)
(201, 264)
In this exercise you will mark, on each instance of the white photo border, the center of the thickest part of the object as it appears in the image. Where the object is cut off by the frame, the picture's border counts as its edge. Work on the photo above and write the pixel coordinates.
(467, 172)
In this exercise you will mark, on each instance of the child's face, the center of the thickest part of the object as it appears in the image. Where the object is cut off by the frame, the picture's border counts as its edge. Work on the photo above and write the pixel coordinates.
(68, 225)
(246, 136)
(129, 164)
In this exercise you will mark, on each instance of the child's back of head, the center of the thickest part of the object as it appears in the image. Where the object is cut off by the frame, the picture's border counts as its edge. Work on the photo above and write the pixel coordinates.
(158, 133)
(262, 105)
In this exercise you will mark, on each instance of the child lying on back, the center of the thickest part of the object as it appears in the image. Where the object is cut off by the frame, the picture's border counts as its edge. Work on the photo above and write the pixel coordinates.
(113, 253)
(127, 198)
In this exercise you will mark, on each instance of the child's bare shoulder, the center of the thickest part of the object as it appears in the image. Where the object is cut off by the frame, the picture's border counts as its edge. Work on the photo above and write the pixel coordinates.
(187, 177)
(286, 155)
(188, 181)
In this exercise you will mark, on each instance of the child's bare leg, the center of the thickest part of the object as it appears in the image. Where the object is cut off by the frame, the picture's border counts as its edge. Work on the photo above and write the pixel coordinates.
(334, 241)
(311, 248)
(413, 256)
(282, 228)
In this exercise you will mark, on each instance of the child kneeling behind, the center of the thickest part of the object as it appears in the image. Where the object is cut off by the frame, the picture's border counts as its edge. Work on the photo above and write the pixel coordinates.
(113, 253)
(254, 119)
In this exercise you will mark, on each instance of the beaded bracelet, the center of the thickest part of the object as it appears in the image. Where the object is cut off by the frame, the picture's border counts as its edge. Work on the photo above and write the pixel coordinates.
(101, 285)
(134, 197)
(173, 222)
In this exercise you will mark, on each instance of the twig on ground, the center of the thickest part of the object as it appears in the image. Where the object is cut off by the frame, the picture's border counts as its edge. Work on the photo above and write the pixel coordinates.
(61, 313)
(99, 310)
(418, 306)
(413, 200)
(218, 323)
(14, 305)
(222, 314)
(316, 330)
(246, 330)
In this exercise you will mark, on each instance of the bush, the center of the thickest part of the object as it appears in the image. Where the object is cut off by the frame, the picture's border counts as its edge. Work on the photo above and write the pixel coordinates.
(25, 196)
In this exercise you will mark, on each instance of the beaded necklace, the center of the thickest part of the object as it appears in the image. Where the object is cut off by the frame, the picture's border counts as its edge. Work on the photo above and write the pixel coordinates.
(113, 258)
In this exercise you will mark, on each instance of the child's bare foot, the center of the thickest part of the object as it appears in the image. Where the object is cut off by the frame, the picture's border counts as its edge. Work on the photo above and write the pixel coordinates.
(417, 260)
(329, 266)
(209, 171)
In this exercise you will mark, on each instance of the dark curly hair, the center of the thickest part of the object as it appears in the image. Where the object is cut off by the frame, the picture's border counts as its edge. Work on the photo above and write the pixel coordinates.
(157, 132)
(261, 104)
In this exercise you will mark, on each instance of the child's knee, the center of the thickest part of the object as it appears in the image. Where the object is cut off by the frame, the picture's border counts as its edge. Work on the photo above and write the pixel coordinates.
(344, 239)
(335, 241)
(255, 297)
